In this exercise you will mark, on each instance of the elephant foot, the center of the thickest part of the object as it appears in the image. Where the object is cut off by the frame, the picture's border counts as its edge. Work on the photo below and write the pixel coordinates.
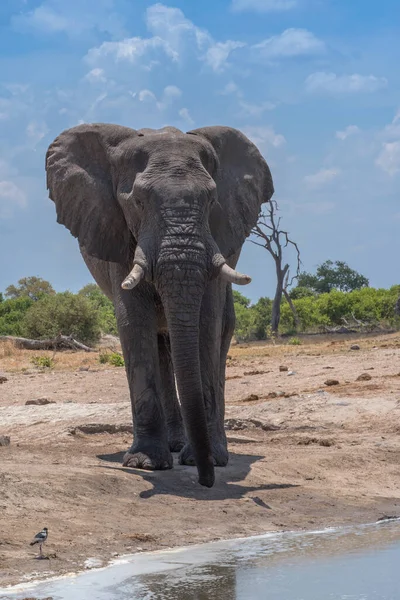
(219, 453)
(148, 455)
(176, 437)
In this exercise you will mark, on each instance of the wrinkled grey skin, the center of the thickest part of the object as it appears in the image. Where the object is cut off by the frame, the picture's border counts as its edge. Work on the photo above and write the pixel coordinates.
(169, 202)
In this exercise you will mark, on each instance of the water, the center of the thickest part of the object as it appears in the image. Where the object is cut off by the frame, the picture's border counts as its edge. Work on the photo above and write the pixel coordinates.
(359, 563)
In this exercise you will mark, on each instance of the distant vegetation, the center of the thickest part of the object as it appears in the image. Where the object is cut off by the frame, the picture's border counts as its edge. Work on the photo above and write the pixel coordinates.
(332, 297)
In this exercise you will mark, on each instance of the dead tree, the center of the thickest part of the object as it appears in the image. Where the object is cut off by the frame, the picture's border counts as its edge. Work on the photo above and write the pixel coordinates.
(61, 342)
(271, 237)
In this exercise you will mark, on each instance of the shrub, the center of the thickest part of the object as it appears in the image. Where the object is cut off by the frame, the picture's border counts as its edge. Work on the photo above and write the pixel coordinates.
(12, 315)
(104, 307)
(112, 358)
(44, 362)
(294, 341)
(64, 313)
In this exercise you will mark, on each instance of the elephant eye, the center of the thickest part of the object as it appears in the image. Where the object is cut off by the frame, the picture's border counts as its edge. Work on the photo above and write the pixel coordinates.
(139, 202)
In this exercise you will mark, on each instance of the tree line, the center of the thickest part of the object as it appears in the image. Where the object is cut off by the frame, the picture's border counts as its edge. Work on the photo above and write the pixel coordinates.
(334, 296)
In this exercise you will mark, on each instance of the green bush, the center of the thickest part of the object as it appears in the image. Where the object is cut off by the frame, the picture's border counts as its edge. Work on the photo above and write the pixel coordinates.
(111, 358)
(12, 316)
(44, 362)
(294, 341)
(64, 313)
(104, 307)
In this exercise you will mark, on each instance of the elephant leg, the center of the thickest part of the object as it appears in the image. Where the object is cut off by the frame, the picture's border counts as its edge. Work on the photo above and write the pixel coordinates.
(172, 410)
(213, 336)
(137, 325)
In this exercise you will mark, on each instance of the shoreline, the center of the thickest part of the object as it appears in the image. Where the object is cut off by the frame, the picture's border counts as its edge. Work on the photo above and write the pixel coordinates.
(143, 560)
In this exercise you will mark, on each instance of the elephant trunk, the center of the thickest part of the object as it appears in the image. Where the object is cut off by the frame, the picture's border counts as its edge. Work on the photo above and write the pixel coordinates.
(183, 316)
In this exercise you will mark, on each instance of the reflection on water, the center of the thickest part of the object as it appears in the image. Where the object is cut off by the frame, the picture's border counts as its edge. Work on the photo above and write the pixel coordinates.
(359, 563)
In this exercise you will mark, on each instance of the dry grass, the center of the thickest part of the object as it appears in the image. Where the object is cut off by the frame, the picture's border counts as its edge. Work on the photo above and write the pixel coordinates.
(313, 345)
(14, 360)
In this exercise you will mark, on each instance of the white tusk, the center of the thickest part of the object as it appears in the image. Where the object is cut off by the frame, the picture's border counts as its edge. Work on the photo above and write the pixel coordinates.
(229, 274)
(133, 278)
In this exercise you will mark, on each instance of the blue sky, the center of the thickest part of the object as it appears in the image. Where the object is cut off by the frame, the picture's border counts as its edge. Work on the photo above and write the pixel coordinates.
(315, 83)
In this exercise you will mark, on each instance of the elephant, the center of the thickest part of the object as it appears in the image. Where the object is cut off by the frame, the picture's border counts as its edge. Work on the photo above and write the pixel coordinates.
(161, 217)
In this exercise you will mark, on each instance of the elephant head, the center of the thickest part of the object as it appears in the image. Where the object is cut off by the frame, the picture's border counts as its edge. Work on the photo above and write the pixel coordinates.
(171, 207)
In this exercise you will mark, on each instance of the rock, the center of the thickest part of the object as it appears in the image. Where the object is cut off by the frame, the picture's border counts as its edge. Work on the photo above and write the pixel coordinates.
(291, 372)
(39, 402)
(364, 377)
(355, 347)
(272, 395)
(83, 368)
(235, 425)
(4, 440)
(254, 372)
(251, 398)
(92, 428)
(3, 378)
(282, 369)
(330, 382)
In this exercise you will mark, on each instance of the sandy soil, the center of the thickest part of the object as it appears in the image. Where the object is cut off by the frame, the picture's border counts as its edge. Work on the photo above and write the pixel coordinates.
(302, 455)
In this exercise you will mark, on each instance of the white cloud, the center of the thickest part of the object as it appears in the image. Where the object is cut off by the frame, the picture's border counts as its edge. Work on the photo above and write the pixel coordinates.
(96, 76)
(389, 158)
(172, 91)
(262, 6)
(254, 110)
(217, 55)
(130, 50)
(146, 96)
(396, 117)
(36, 131)
(169, 95)
(185, 114)
(10, 196)
(321, 178)
(292, 42)
(344, 84)
(230, 88)
(173, 36)
(264, 136)
(171, 25)
(350, 130)
(73, 17)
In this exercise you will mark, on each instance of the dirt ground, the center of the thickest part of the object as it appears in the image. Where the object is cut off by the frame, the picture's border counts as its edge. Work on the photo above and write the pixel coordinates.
(303, 455)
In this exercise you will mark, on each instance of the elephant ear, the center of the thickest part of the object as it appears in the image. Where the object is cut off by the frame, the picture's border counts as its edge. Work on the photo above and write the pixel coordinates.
(243, 182)
(80, 180)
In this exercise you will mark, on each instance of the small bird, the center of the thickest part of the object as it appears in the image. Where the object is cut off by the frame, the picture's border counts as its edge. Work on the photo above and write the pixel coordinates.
(40, 539)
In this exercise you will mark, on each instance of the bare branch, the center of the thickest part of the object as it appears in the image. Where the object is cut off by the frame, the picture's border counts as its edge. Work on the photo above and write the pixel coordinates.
(268, 235)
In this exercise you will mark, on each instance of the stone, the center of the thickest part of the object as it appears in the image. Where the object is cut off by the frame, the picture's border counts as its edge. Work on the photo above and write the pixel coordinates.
(4, 440)
(251, 398)
(93, 428)
(364, 377)
(330, 382)
(282, 368)
(3, 378)
(355, 347)
(39, 402)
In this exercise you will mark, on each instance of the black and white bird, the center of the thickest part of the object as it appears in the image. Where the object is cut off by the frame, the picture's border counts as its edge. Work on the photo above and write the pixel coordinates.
(40, 539)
